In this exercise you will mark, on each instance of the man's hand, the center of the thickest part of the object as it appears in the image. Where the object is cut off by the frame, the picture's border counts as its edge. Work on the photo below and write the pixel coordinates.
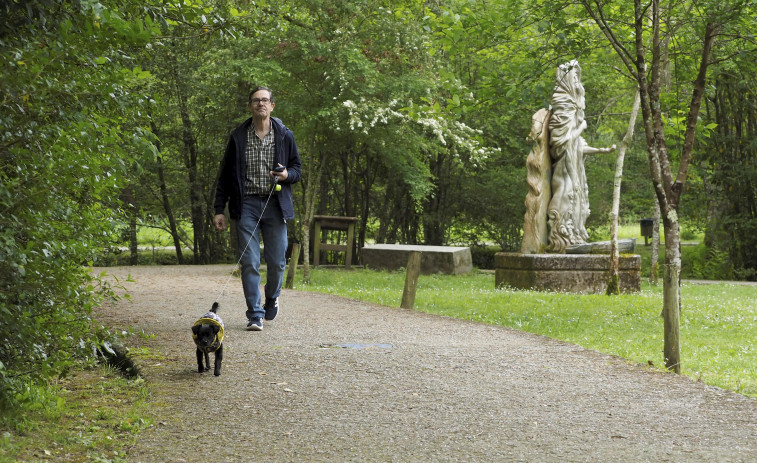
(220, 222)
(280, 172)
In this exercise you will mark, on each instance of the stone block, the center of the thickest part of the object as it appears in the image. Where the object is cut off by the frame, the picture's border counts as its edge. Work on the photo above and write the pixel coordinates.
(574, 273)
(452, 260)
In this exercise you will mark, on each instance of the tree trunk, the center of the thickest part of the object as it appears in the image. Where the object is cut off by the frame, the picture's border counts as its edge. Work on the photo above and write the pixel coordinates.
(613, 286)
(311, 184)
(166, 203)
(671, 307)
(169, 212)
(654, 270)
(434, 216)
(132, 211)
(365, 207)
(133, 243)
(199, 222)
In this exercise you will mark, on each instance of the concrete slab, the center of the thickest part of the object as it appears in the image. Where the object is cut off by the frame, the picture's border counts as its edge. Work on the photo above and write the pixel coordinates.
(452, 260)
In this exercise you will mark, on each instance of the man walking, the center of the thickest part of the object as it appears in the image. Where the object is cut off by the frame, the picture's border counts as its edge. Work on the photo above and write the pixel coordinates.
(260, 152)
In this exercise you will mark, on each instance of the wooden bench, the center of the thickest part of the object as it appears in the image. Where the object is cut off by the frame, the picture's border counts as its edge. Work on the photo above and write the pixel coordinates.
(453, 260)
(324, 223)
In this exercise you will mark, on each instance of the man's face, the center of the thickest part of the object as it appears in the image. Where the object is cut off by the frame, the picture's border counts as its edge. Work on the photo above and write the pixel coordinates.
(261, 104)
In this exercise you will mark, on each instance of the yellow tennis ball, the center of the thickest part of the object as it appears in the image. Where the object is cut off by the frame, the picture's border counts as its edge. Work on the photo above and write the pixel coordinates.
(278, 187)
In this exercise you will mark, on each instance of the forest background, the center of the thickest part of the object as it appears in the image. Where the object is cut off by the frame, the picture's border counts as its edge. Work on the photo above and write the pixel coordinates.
(410, 115)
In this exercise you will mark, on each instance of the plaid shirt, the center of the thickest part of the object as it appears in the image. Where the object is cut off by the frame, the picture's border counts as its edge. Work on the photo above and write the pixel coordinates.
(260, 156)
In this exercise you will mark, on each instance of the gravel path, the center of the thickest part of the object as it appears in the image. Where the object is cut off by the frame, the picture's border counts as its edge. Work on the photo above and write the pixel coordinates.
(340, 380)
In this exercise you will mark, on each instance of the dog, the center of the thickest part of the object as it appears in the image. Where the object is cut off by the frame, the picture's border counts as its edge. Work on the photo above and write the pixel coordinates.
(207, 333)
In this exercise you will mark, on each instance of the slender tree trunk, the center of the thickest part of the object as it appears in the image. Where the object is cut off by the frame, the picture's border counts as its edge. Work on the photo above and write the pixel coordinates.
(167, 204)
(435, 211)
(365, 207)
(669, 209)
(654, 271)
(199, 222)
(312, 182)
(133, 243)
(132, 211)
(613, 286)
(169, 212)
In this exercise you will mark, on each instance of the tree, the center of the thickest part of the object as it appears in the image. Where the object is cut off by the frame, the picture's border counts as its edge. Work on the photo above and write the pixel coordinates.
(360, 90)
(74, 128)
(643, 51)
(731, 169)
(613, 287)
(68, 135)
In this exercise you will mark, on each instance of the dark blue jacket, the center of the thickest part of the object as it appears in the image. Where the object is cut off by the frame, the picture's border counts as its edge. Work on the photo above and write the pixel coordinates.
(234, 165)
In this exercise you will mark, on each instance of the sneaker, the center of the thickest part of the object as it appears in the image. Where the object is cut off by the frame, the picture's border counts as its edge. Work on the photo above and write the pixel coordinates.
(271, 308)
(255, 324)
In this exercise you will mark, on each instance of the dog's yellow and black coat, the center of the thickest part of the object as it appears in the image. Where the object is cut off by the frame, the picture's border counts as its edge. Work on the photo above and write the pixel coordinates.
(210, 318)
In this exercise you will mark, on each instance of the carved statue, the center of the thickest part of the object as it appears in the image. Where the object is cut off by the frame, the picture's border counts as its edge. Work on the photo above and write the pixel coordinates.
(539, 173)
(568, 205)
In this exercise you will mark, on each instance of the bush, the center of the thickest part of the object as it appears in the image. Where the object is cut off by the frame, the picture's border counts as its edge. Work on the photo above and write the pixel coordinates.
(698, 262)
(67, 142)
(705, 263)
(483, 256)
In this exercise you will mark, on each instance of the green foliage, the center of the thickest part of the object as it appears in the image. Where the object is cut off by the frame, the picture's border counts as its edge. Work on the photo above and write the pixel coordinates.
(62, 154)
(730, 162)
(71, 129)
(717, 324)
(483, 256)
(706, 263)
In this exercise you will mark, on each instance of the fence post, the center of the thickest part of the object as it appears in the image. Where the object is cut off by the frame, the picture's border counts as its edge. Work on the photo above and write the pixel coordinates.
(292, 266)
(411, 280)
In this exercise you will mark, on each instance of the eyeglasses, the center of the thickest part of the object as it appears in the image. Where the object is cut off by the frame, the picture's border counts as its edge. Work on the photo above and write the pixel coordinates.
(260, 100)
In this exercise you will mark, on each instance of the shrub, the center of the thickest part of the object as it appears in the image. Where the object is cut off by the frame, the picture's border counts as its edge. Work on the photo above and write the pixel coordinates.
(483, 256)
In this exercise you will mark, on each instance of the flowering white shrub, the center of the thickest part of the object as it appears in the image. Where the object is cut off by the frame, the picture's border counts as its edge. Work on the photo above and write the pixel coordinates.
(457, 137)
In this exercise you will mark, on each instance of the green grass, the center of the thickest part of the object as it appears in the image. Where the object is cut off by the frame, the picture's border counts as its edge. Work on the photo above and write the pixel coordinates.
(718, 321)
(150, 236)
(92, 415)
(633, 230)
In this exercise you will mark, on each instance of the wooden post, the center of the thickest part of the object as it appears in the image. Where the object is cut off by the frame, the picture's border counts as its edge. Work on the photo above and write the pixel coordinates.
(411, 280)
(671, 317)
(292, 266)
(317, 243)
(350, 240)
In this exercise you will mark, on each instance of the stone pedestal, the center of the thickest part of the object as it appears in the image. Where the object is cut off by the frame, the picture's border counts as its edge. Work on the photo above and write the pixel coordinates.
(453, 260)
(573, 273)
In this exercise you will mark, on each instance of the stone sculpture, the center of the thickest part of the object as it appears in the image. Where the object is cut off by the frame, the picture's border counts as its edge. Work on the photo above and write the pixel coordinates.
(539, 175)
(560, 177)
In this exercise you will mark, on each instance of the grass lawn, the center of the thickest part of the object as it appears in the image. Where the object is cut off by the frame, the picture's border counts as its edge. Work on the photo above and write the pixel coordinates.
(718, 321)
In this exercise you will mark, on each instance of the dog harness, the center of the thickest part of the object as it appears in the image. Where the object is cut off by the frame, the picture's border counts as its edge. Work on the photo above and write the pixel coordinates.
(210, 318)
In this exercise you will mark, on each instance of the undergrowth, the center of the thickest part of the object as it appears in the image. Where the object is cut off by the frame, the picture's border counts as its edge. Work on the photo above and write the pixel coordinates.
(93, 415)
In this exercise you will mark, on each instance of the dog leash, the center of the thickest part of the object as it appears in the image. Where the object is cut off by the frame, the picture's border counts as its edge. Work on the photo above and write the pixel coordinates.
(231, 274)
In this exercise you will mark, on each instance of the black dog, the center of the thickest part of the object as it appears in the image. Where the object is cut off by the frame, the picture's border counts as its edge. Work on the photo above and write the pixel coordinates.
(207, 333)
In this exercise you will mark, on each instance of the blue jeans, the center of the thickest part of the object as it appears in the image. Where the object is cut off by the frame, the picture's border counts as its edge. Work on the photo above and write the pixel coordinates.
(273, 229)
